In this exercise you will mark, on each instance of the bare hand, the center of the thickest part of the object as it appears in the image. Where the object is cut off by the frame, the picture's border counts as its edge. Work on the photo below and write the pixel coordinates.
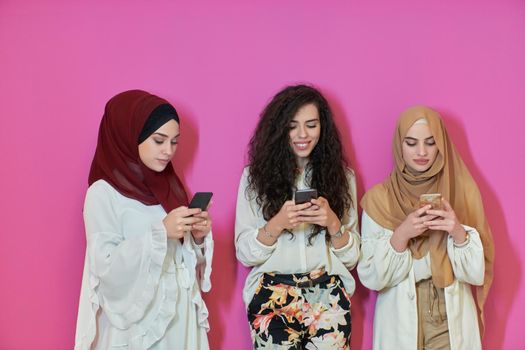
(180, 220)
(203, 227)
(286, 218)
(321, 214)
(412, 226)
(447, 221)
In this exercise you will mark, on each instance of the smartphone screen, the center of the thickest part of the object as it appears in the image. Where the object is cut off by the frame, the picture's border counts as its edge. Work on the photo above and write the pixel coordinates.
(200, 200)
(306, 195)
(434, 199)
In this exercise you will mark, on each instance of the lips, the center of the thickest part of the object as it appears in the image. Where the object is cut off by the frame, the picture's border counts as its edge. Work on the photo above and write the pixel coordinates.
(421, 161)
(301, 145)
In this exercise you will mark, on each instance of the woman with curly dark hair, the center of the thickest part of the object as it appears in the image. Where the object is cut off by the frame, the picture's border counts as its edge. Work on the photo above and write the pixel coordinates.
(298, 291)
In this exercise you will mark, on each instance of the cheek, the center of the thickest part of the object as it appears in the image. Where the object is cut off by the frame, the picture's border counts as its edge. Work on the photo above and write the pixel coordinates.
(434, 153)
(291, 135)
(406, 152)
(315, 134)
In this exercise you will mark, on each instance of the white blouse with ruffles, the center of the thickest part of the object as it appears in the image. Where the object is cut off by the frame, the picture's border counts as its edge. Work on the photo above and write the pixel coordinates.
(292, 253)
(139, 289)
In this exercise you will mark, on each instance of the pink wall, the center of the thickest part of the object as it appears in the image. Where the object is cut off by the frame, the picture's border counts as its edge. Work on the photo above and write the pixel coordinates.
(219, 62)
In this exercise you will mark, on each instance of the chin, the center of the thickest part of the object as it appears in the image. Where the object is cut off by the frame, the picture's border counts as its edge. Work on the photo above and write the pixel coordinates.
(303, 154)
(157, 168)
(419, 168)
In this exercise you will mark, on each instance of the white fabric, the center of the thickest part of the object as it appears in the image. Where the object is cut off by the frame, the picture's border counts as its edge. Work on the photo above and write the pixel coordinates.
(391, 273)
(139, 289)
(291, 254)
(422, 269)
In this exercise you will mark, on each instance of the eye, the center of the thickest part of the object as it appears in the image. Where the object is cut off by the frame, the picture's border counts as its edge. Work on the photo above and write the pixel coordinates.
(174, 142)
(158, 142)
(292, 126)
(311, 125)
(410, 143)
(430, 142)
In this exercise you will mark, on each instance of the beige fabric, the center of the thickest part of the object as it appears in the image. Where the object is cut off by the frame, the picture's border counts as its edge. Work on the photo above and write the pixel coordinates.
(390, 202)
(432, 317)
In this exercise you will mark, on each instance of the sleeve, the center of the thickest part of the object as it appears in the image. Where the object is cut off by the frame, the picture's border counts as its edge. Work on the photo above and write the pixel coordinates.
(249, 251)
(349, 254)
(204, 254)
(468, 261)
(380, 266)
(127, 271)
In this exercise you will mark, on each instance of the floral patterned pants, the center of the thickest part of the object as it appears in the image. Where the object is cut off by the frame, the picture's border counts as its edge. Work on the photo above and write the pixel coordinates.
(284, 316)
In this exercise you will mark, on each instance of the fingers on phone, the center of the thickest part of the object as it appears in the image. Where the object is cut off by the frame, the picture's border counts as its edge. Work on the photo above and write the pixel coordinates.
(194, 211)
(423, 210)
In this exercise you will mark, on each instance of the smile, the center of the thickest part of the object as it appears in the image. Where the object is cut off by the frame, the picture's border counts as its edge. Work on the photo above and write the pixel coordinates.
(301, 145)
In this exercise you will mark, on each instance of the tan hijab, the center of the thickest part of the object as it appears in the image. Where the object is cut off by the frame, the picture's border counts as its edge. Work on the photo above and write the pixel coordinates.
(390, 202)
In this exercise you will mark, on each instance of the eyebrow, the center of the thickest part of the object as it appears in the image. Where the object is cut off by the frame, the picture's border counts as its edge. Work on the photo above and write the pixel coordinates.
(164, 135)
(413, 138)
(308, 121)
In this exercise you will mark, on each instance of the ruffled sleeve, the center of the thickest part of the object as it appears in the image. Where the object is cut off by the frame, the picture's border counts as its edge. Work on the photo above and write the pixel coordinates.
(380, 266)
(468, 262)
(87, 310)
(248, 221)
(349, 254)
(125, 272)
(204, 254)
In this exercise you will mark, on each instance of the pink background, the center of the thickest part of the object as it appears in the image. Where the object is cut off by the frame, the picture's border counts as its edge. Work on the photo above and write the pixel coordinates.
(219, 62)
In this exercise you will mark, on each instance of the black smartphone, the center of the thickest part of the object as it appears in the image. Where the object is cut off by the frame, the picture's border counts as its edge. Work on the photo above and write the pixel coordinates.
(306, 195)
(200, 200)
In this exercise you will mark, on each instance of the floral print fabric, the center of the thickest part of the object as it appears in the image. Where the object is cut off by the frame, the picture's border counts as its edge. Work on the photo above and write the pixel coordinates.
(284, 316)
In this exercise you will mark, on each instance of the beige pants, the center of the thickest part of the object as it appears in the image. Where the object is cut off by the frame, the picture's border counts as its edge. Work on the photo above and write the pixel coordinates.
(432, 317)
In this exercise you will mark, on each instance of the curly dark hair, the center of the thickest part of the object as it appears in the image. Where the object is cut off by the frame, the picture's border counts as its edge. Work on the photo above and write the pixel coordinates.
(273, 167)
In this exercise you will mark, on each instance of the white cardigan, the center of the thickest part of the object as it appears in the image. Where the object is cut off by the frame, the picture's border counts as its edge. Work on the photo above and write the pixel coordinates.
(391, 273)
(139, 289)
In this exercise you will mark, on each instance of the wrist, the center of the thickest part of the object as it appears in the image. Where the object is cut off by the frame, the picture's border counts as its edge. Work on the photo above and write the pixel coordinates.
(334, 227)
(197, 240)
(398, 241)
(272, 228)
(459, 235)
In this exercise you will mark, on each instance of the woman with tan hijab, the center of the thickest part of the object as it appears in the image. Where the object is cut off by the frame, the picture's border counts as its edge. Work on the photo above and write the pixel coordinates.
(424, 261)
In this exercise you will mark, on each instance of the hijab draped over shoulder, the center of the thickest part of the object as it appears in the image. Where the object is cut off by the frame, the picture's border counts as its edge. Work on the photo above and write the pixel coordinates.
(117, 158)
(389, 202)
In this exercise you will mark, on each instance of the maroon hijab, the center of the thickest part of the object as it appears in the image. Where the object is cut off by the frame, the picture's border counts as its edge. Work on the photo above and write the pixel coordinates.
(117, 158)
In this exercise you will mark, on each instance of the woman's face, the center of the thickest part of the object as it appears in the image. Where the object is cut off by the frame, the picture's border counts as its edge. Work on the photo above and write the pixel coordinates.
(419, 148)
(159, 148)
(305, 129)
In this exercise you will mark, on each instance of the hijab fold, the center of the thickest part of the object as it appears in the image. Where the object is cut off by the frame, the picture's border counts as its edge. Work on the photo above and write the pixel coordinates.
(117, 158)
(389, 202)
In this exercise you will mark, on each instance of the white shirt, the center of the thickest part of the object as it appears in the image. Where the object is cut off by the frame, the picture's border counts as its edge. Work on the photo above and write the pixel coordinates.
(393, 275)
(139, 289)
(292, 253)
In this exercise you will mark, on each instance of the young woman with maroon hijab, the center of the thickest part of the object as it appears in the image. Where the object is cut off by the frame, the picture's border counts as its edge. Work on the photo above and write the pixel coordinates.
(148, 256)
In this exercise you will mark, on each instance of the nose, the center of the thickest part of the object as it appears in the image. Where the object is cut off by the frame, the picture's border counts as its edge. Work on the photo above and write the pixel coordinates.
(302, 131)
(422, 150)
(168, 149)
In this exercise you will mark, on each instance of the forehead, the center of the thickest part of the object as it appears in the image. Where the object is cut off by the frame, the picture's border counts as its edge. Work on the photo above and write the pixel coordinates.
(306, 112)
(170, 128)
(419, 131)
